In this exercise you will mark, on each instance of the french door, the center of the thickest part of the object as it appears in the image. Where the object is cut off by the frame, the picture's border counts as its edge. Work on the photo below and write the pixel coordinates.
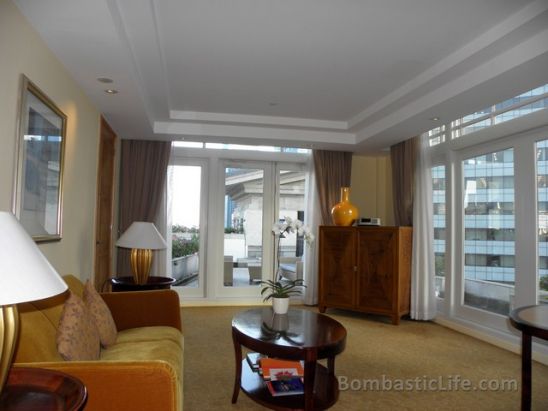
(222, 212)
(256, 195)
(247, 210)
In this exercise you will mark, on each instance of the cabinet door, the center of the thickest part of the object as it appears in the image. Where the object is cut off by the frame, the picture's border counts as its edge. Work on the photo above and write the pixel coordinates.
(337, 266)
(376, 269)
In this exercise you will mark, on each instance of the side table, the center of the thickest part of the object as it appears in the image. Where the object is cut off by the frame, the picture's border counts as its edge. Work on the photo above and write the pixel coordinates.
(153, 283)
(532, 321)
(30, 388)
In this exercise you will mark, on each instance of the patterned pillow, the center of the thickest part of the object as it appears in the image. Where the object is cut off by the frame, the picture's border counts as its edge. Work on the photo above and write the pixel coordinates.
(77, 335)
(101, 315)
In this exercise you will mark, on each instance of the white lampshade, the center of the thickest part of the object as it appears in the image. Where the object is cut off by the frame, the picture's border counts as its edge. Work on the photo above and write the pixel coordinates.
(25, 274)
(142, 235)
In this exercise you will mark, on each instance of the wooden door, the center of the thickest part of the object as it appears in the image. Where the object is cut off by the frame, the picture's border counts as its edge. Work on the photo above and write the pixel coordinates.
(105, 199)
(377, 276)
(337, 265)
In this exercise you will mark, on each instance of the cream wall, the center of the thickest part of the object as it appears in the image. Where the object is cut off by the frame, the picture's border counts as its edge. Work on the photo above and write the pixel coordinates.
(23, 51)
(371, 187)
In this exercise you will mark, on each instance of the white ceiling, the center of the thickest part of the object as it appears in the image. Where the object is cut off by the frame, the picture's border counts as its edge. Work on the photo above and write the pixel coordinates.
(340, 74)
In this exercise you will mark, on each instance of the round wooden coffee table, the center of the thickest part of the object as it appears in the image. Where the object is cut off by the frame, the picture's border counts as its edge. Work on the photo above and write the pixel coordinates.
(532, 321)
(298, 335)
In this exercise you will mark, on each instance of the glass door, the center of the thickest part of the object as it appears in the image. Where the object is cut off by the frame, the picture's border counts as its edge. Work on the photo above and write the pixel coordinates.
(246, 196)
(291, 190)
(188, 190)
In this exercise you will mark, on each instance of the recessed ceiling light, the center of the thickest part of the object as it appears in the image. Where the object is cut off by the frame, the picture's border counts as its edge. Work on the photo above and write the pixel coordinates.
(434, 118)
(104, 80)
(111, 91)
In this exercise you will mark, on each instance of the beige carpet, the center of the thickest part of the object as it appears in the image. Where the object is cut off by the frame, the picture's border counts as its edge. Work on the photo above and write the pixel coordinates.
(375, 348)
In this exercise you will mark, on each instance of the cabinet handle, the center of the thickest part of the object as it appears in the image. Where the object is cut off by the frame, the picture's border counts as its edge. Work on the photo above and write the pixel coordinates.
(355, 268)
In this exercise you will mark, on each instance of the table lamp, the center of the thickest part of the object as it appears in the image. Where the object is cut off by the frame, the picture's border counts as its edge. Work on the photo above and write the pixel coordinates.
(25, 275)
(142, 238)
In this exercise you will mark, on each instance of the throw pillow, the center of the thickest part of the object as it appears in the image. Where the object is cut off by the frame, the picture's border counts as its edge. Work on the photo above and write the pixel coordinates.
(101, 315)
(77, 335)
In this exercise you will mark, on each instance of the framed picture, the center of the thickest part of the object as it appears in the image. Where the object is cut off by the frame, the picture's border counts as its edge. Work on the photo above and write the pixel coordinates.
(39, 175)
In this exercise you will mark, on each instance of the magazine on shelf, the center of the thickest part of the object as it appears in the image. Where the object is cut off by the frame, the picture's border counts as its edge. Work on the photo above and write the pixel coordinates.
(254, 360)
(274, 369)
(293, 386)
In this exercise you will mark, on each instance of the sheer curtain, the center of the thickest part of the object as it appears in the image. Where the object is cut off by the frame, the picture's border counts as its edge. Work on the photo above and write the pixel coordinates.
(313, 219)
(169, 220)
(423, 298)
(143, 173)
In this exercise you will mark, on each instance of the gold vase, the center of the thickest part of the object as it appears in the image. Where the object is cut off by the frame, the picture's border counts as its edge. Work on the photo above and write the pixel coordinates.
(344, 213)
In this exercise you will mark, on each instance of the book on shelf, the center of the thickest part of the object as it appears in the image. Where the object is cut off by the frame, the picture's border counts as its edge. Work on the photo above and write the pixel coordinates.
(275, 369)
(254, 360)
(292, 386)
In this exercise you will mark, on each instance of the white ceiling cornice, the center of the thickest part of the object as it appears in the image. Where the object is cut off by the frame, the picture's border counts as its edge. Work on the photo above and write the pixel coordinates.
(349, 76)
(509, 25)
(252, 119)
(249, 134)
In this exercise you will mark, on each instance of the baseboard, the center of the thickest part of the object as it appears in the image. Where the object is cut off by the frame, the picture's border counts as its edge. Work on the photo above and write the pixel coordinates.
(502, 340)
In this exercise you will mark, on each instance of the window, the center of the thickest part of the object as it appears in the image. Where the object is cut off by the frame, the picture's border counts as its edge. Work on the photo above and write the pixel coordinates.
(187, 194)
(438, 197)
(243, 226)
(542, 218)
(291, 204)
(491, 235)
(518, 106)
(437, 135)
(245, 147)
(488, 205)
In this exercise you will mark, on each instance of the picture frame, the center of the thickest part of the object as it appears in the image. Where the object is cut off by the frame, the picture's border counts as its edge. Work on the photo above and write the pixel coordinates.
(40, 146)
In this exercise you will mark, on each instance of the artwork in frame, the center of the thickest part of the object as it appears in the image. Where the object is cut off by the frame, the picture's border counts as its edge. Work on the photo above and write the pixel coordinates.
(39, 175)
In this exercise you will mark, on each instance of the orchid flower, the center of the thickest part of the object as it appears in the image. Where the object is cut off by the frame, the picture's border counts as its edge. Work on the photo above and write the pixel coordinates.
(290, 225)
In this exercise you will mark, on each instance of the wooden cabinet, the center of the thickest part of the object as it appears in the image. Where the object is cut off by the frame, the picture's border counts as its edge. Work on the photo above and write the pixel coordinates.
(366, 269)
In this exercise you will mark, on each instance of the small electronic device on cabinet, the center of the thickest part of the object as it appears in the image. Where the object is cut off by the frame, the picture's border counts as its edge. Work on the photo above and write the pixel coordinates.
(369, 221)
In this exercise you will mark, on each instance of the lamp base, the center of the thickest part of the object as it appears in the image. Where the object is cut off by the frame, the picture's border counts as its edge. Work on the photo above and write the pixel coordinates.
(9, 324)
(141, 261)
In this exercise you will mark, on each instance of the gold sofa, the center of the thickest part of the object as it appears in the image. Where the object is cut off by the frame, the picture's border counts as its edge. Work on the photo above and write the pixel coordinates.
(142, 371)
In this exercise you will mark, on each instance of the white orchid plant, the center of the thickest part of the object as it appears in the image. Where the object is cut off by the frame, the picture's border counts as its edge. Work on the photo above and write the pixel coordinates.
(290, 225)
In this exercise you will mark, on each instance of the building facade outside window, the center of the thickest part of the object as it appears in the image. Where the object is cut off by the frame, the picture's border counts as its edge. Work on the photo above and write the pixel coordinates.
(490, 211)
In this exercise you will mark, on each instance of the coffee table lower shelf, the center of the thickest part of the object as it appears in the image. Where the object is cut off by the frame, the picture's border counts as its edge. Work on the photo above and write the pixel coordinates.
(326, 390)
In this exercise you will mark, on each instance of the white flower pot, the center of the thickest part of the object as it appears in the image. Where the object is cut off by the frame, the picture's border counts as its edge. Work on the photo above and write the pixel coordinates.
(280, 305)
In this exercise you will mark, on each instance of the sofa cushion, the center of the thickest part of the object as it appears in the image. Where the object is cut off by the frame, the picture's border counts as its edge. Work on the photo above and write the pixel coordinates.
(101, 315)
(77, 335)
(167, 351)
(157, 333)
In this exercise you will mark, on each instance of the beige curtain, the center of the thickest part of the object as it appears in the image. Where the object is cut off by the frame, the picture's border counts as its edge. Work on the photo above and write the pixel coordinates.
(143, 173)
(332, 170)
(403, 157)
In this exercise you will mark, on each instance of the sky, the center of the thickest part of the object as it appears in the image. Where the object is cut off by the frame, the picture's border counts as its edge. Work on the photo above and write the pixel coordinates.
(186, 195)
